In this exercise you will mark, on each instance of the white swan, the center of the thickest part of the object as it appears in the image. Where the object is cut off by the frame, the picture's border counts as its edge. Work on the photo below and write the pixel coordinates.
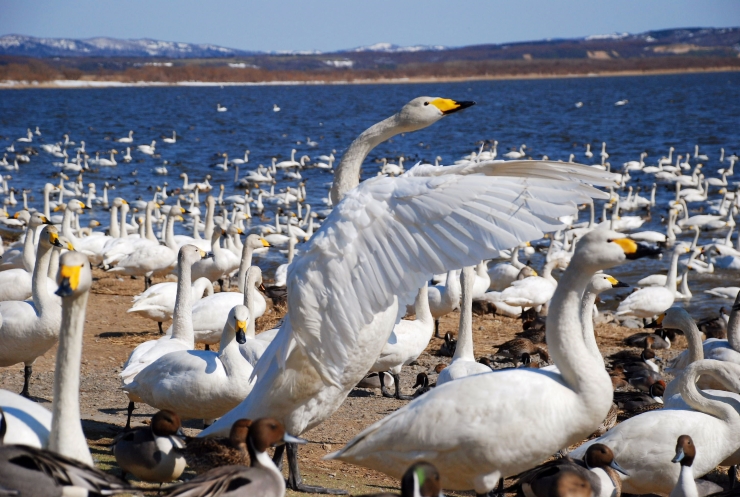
(171, 140)
(463, 361)
(182, 337)
(485, 414)
(196, 383)
(650, 301)
(443, 299)
(223, 261)
(108, 162)
(721, 350)
(504, 273)
(221, 108)
(148, 149)
(343, 262)
(532, 291)
(645, 444)
(255, 345)
(209, 313)
(127, 139)
(516, 155)
(29, 329)
(406, 343)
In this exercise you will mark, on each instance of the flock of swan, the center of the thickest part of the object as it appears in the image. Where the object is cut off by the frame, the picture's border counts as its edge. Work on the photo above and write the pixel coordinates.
(352, 272)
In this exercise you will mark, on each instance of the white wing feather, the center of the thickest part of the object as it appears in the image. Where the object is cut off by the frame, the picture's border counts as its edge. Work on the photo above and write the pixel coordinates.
(389, 235)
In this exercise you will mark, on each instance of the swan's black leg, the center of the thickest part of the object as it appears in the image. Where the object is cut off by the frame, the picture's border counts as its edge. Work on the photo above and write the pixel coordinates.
(383, 388)
(397, 381)
(130, 409)
(159, 323)
(27, 371)
(436, 328)
(277, 458)
(732, 474)
(295, 482)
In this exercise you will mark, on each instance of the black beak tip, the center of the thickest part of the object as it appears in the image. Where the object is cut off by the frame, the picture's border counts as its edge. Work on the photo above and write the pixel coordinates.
(209, 255)
(64, 289)
(621, 284)
(241, 337)
(644, 250)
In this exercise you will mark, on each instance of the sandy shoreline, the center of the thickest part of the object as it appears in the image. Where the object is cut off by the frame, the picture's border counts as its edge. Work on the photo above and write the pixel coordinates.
(90, 84)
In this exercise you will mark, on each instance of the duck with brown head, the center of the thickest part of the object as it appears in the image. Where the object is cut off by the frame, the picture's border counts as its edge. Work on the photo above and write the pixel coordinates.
(152, 453)
(261, 479)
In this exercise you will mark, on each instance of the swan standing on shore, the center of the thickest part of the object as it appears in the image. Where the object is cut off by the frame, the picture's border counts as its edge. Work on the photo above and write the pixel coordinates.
(474, 435)
(323, 349)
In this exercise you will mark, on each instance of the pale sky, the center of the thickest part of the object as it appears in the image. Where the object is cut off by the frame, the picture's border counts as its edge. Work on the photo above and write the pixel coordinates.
(337, 24)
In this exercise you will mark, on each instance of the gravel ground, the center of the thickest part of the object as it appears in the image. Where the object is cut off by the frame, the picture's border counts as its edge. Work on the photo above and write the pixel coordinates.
(111, 334)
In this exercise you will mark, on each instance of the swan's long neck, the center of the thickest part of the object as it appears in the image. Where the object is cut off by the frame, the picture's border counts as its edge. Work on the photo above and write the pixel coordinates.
(515, 258)
(547, 271)
(182, 318)
(246, 262)
(114, 230)
(67, 226)
(47, 210)
(564, 334)
(123, 231)
(148, 220)
(726, 373)
(733, 326)
(347, 174)
(29, 249)
(39, 290)
(421, 306)
(66, 436)
(249, 296)
(670, 282)
(464, 348)
(211, 207)
(696, 350)
(291, 249)
(169, 235)
(452, 288)
(587, 320)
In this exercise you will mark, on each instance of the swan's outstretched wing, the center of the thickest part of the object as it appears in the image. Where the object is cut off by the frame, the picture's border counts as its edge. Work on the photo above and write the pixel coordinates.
(389, 235)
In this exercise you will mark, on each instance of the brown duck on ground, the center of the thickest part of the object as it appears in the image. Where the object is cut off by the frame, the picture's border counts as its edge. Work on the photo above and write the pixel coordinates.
(633, 401)
(448, 348)
(715, 327)
(581, 478)
(662, 339)
(609, 422)
(527, 362)
(534, 335)
(204, 454)
(152, 453)
(516, 347)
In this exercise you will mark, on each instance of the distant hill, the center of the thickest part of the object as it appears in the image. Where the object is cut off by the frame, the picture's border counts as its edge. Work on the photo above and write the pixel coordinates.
(25, 58)
(650, 44)
(30, 46)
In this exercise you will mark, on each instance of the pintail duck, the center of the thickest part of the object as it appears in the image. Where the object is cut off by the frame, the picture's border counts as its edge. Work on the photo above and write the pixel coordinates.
(152, 453)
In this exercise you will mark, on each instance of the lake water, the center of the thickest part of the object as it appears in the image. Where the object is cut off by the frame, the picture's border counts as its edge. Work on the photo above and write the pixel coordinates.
(663, 111)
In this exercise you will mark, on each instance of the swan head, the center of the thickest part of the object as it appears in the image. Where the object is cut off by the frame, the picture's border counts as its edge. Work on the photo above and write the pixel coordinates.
(74, 275)
(37, 219)
(425, 111)
(685, 451)
(189, 255)
(238, 318)
(601, 282)
(76, 206)
(602, 249)
(601, 456)
(166, 423)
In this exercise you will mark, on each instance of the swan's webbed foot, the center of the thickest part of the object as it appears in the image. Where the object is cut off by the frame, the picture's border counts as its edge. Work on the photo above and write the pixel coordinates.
(27, 372)
(295, 481)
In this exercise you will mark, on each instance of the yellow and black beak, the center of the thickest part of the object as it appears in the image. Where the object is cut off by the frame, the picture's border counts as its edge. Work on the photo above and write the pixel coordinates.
(448, 106)
(265, 243)
(45, 220)
(241, 328)
(636, 250)
(616, 283)
(54, 240)
(69, 280)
